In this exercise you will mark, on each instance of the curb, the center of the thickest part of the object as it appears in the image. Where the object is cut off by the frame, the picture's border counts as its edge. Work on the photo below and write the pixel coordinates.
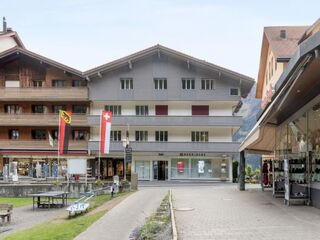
(173, 221)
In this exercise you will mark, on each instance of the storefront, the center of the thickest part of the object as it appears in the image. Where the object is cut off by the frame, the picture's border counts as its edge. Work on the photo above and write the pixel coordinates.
(109, 167)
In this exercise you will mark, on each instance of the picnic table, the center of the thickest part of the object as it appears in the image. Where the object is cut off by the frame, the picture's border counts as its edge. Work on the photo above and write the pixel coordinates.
(52, 199)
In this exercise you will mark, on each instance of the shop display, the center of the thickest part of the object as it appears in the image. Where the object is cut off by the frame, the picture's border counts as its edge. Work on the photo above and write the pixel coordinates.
(267, 178)
(278, 178)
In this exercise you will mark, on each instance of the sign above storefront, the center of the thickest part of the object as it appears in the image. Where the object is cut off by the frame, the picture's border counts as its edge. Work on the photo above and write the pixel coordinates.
(192, 154)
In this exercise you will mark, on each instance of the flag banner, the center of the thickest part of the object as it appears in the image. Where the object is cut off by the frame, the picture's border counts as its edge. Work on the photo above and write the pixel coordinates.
(65, 121)
(51, 142)
(105, 129)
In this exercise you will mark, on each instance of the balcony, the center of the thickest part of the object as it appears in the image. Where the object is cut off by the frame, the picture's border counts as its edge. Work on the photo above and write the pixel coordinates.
(29, 119)
(170, 120)
(205, 147)
(40, 145)
(44, 94)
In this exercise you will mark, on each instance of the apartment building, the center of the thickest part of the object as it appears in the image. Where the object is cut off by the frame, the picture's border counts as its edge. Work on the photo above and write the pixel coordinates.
(177, 111)
(32, 91)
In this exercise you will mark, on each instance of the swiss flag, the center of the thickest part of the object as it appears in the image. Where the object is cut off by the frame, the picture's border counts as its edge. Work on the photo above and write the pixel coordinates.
(105, 129)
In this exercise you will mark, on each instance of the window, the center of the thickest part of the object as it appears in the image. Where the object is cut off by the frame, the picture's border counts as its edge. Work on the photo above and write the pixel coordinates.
(59, 83)
(115, 136)
(38, 134)
(14, 134)
(12, 83)
(79, 109)
(142, 110)
(57, 108)
(234, 91)
(188, 83)
(115, 109)
(78, 83)
(37, 83)
(160, 83)
(126, 83)
(162, 136)
(54, 134)
(200, 110)
(207, 84)
(12, 109)
(199, 136)
(37, 109)
(79, 135)
(141, 136)
(162, 110)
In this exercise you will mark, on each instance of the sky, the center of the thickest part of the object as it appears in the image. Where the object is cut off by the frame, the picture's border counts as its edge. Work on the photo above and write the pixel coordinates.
(87, 33)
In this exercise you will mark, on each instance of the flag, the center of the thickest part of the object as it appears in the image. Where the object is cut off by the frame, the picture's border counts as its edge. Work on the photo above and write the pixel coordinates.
(105, 129)
(64, 126)
(50, 139)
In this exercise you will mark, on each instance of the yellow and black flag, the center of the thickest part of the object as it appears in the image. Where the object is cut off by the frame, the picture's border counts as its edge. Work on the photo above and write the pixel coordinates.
(64, 126)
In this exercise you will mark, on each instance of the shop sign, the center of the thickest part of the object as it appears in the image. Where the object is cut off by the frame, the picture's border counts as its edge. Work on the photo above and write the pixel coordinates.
(128, 154)
(180, 166)
(192, 154)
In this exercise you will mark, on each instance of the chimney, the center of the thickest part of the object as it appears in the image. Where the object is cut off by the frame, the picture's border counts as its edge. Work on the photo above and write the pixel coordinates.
(4, 26)
(283, 34)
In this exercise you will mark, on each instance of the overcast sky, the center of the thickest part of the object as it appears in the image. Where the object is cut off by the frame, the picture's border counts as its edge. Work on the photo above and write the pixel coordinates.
(87, 33)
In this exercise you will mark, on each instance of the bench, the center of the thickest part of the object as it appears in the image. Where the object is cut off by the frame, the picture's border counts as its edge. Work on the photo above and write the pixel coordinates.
(5, 212)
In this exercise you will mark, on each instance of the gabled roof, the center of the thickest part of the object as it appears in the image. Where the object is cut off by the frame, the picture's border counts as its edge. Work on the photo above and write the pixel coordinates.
(15, 36)
(282, 49)
(19, 50)
(161, 49)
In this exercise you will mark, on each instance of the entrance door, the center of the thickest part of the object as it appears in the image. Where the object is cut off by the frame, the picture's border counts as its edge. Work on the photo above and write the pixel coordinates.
(160, 170)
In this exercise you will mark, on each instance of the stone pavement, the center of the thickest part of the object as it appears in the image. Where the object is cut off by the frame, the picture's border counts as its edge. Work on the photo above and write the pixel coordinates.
(25, 217)
(120, 221)
(224, 213)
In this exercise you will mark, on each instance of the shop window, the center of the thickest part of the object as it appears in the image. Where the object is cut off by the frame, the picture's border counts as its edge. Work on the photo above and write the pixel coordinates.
(197, 136)
(79, 109)
(57, 108)
(161, 110)
(13, 134)
(12, 109)
(59, 83)
(201, 168)
(79, 135)
(142, 110)
(126, 83)
(161, 136)
(160, 83)
(200, 110)
(179, 168)
(37, 109)
(115, 136)
(142, 168)
(115, 109)
(38, 134)
(188, 83)
(141, 136)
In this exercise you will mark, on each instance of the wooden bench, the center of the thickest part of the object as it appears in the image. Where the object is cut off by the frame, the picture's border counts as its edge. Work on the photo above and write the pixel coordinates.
(5, 212)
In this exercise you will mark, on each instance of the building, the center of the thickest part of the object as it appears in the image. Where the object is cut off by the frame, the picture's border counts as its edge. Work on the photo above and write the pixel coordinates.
(32, 91)
(177, 111)
(288, 126)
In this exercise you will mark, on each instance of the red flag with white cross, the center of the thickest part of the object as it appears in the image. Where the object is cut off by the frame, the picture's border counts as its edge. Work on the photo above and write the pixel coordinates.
(105, 129)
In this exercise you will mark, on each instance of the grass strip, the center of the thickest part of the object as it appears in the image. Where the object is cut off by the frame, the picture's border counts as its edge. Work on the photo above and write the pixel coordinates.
(16, 201)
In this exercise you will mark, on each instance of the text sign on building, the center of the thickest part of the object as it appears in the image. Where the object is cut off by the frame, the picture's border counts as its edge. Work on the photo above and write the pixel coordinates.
(128, 154)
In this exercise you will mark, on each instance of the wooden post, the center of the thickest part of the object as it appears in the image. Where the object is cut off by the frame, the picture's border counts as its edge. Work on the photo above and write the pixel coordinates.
(242, 171)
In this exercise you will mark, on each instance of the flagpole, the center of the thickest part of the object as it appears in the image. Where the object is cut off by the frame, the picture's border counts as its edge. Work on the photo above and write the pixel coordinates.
(99, 159)
(58, 146)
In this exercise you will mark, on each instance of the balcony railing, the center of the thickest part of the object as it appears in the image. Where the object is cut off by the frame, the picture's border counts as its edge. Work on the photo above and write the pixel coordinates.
(40, 145)
(29, 119)
(133, 120)
(44, 94)
(206, 147)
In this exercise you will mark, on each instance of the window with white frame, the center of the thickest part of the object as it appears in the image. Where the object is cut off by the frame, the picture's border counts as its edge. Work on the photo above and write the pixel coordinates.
(160, 83)
(126, 83)
(199, 136)
(188, 83)
(115, 136)
(161, 136)
(207, 84)
(234, 91)
(142, 110)
(141, 136)
(115, 109)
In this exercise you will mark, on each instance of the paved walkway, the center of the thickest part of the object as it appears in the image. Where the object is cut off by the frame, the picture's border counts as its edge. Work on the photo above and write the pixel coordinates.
(120, 221)
(224, 213)
(25, 217)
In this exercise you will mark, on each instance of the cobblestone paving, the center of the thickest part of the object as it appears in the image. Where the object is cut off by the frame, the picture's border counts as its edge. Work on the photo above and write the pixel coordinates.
(224, 213)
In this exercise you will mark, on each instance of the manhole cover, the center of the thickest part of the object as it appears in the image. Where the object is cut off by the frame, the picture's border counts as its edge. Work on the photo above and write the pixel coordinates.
(184, 209)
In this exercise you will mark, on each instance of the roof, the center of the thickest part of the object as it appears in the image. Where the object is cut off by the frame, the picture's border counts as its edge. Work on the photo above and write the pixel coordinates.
(19, 50)
(15, 36)
(157, 49)
(282, 49)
